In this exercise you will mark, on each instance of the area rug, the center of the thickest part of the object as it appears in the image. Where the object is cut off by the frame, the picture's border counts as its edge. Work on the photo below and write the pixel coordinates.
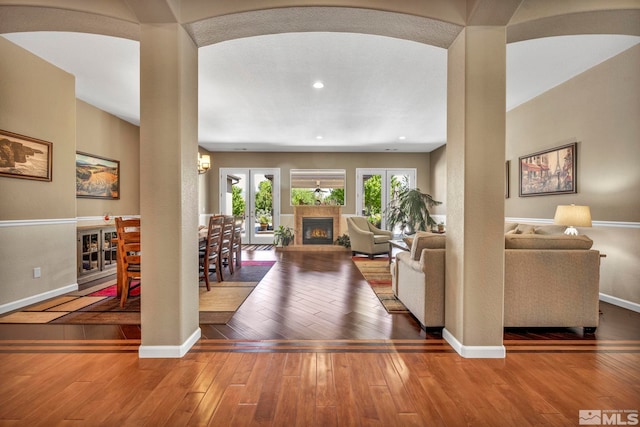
(99, 305)
(376, 272)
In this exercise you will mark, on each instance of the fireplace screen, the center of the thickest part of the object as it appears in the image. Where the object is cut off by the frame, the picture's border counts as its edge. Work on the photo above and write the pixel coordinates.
(317, 231)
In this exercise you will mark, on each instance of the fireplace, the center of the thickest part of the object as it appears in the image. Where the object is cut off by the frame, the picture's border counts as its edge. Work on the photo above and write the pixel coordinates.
(317, 231)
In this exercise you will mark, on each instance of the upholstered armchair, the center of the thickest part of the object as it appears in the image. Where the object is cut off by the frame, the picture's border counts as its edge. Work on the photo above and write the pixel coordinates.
(366, 238)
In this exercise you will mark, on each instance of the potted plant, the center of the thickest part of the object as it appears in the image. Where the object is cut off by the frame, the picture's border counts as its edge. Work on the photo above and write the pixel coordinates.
(410, 210)
(264, 218)
(343, 240)
(282, 236)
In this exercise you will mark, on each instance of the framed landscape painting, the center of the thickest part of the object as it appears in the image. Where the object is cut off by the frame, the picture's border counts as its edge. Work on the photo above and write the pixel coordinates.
(97, 177)
(25, 157)
(549, 172)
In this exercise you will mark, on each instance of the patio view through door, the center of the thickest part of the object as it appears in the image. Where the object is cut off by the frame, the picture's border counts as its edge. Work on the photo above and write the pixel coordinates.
(375, 188)
(255, 195)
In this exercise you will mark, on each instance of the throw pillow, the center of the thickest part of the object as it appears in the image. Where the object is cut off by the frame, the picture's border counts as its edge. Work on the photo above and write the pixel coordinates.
(550, 229)
(509, 226)
(524, 229)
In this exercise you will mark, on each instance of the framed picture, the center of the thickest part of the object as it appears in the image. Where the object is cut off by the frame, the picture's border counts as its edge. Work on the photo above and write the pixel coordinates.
(507, 174)
(25, 157)
(97, 177)
(549, 172)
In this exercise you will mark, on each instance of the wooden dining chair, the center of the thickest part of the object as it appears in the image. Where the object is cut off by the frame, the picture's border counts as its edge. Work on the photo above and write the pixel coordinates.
(128, 232)
(226, 257)
(210, 251)
(236, 245)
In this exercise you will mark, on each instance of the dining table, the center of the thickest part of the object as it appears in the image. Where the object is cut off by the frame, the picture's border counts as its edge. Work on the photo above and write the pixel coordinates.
(202, 237)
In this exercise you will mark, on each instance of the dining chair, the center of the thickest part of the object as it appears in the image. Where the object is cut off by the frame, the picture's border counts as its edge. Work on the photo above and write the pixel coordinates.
(210, 251)
(236, 245)
(226, 257)
(128, 233)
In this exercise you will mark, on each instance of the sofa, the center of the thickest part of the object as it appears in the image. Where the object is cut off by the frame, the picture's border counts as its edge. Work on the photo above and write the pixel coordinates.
(366, 238)
(551, 279)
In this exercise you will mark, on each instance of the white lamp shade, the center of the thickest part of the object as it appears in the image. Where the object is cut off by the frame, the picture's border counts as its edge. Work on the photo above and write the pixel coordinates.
(572, 216)
(204, 163)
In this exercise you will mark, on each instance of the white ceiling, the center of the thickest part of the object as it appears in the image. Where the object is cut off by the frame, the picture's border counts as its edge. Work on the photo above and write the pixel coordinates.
(256, 93)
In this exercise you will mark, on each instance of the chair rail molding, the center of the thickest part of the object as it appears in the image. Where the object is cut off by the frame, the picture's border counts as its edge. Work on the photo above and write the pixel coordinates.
(31, 222)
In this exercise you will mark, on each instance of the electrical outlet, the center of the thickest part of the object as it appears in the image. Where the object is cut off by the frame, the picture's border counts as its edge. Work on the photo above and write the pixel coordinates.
(37, 273)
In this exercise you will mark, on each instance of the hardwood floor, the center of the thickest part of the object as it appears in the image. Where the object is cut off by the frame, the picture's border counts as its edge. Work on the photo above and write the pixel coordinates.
(321, 295)
(312, 346)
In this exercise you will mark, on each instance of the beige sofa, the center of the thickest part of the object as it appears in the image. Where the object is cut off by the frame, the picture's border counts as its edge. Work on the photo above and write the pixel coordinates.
(551, 279)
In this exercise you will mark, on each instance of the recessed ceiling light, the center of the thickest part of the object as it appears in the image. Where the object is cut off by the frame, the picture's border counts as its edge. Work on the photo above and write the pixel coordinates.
(318, 85)
(402, 137)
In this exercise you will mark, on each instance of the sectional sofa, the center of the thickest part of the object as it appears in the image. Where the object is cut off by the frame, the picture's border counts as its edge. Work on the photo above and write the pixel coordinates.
(551, 279)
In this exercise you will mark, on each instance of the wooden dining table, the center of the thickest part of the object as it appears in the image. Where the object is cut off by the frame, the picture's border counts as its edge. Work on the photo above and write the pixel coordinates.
(202, 237)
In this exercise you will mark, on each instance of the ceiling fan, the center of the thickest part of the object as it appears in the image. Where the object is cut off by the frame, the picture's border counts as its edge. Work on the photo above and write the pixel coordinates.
(318, 189)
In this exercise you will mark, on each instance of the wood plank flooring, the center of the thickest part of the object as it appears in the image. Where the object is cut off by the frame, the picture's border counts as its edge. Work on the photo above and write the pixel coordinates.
(312, 346)
(321, 295)
(310, 383)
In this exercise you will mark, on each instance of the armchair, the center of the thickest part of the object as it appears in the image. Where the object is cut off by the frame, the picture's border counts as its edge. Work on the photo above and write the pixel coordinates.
(366, 238)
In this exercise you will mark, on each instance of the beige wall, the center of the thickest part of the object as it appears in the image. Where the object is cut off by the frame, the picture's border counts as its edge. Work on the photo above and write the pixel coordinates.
(438, 179)
(38, 100)
(105, 135)
(288, 161)
(37, 218)
(600, 110)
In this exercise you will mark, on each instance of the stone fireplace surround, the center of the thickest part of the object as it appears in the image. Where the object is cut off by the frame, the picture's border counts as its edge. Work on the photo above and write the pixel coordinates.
(306, 211)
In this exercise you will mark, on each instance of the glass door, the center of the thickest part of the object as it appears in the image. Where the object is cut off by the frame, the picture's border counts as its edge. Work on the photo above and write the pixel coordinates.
(376, 188)
(255, 195)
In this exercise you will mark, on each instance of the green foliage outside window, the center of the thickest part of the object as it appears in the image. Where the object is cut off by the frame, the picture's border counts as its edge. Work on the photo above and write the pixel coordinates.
(373, 195)
(264, 196)
(336, 195)
(302, 196)
(237, 201)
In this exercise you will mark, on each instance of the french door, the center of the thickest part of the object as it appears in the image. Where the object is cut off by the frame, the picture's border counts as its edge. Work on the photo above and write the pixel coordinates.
(255, 195)
(375, 188)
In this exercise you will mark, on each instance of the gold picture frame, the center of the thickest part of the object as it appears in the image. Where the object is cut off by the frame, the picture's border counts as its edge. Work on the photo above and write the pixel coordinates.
(25, 157)
(97, 177)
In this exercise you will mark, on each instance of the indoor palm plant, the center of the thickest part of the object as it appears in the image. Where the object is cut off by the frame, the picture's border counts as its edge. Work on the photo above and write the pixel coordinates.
(410, 210)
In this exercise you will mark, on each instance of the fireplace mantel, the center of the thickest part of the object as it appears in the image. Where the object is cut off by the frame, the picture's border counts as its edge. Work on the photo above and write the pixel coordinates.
(322, 211)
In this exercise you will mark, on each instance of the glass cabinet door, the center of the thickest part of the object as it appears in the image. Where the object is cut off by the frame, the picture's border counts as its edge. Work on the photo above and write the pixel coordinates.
(109, 248)
(90, 252)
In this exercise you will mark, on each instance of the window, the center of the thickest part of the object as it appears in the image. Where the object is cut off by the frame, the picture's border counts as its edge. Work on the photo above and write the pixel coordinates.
(318, 187)
(376, 188)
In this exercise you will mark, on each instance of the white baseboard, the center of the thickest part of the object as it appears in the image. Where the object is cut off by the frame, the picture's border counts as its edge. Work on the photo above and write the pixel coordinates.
(15, 305)
(169, 351)
(620, 302)
(474, 351)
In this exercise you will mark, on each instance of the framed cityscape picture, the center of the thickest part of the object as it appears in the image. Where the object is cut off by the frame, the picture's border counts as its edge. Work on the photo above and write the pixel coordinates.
(549, 172)
(97, 177)
(25, 157)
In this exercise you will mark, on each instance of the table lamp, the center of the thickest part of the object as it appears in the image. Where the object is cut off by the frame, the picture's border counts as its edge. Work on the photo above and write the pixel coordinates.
(572, 216)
